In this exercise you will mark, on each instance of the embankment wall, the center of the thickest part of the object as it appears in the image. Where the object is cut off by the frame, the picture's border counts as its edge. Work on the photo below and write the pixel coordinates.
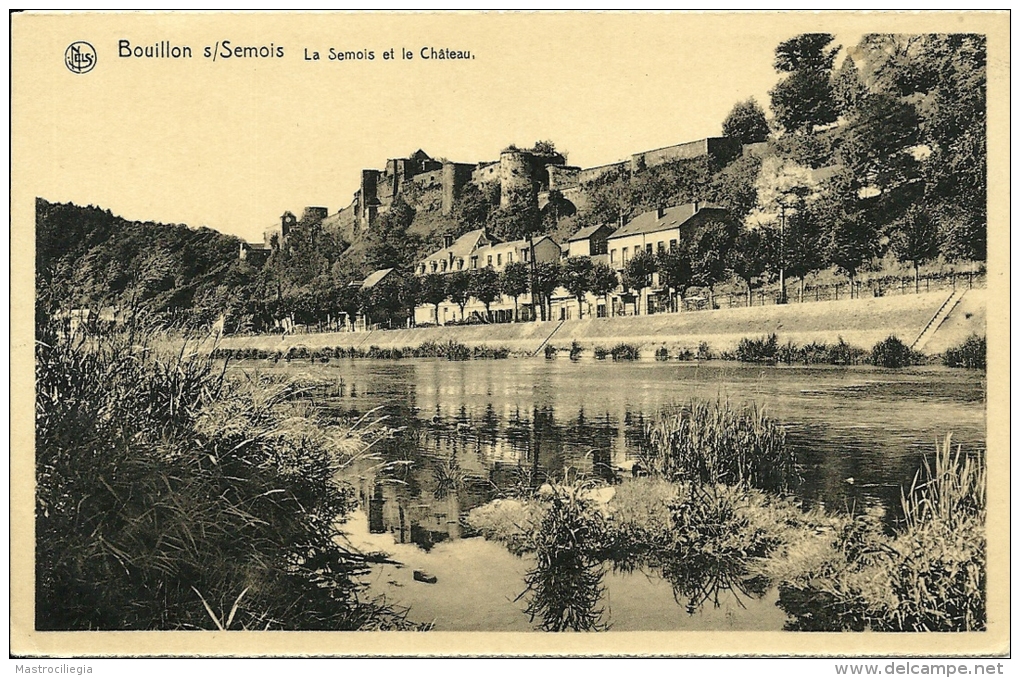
(860, 322)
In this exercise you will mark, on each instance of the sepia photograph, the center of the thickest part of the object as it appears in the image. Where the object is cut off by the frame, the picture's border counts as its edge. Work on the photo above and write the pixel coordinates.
(478, 333)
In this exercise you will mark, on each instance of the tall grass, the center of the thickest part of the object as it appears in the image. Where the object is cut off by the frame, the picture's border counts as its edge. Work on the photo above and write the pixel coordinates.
(717, 443)
(171, 497)
(565, 587)
(929, 575)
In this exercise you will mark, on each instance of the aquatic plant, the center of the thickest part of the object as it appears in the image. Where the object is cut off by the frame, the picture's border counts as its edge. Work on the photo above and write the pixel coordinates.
(714, 442)
(624, 352)
(929, 575)
(970, 354)
(565, 587)
(170, 496)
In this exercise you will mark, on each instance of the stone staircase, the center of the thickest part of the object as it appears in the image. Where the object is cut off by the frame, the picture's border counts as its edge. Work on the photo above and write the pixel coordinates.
(936, 320)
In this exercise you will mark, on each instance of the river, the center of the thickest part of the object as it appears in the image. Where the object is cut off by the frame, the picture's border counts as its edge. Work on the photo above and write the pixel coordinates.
(473, 429)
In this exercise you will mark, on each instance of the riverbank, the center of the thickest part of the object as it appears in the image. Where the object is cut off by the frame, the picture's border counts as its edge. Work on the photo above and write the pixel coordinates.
(930, 322)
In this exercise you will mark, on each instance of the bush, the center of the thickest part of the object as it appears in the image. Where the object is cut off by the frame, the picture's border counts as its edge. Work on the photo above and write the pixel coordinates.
(169, 497)
(762, 350)
(970, 354)
(892, 353)
(704, 351)
(624, 352)
(550, 351)
(601, 352)
(575, 350)
(713, 442)
(662, 353)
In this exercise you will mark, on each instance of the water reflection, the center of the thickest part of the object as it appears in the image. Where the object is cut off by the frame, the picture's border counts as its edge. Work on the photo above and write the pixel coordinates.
(479, 430)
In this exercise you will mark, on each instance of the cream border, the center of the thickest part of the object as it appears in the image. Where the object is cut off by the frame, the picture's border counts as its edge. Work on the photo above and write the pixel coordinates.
(26, 642)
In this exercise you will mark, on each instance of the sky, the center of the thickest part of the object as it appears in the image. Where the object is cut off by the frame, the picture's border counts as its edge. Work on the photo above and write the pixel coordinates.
(233, 143)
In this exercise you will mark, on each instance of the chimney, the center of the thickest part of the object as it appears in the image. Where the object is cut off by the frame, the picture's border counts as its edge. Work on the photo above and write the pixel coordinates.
(660, 212)
(697, 205)
(448, 240)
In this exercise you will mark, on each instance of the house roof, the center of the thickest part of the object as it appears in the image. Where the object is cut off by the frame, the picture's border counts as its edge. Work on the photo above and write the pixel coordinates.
(511, 246)
(461, 247)
(672, 217)
(373, 278)
(585, 233)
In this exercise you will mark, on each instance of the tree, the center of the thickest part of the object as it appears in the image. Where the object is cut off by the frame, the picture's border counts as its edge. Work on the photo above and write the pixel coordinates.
(389, 245)
(484, 286)
(676, 271)
(470, 210)
(457, 285)
(752, 257)
(746, 121)
(804, 99)
(638, 273)
(513, 282)
(915, 239)
(433, 290)
(879, 140)
(708, 256)
(851, 238)
(545, 278)
(603, 281)
(577, 279)
(518, 219)
(409, 295)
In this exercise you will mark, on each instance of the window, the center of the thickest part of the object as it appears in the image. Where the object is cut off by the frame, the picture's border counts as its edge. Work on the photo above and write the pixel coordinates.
(648, 248)
(499, 259)
(672, 245)
(524, 255)
(489, 262)
(460, 264)
(444, 266)
(660, 247)
(625, 255)
(474, 262)
(509, 257)
(435, 266)
(612, 256)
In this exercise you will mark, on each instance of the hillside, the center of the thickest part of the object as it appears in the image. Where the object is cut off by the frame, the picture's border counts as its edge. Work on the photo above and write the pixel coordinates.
(87, 257)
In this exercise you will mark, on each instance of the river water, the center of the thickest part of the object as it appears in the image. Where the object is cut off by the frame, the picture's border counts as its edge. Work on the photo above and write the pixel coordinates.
(473, 429)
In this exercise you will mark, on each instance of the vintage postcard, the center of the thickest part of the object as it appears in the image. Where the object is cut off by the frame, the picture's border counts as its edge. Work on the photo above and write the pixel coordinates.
(510, 333)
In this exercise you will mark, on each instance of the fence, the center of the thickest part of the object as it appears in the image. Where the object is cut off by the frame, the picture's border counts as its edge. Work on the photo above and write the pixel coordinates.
(873, 287)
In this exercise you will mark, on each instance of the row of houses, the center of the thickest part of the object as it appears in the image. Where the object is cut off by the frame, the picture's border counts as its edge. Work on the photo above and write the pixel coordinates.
(652, 232)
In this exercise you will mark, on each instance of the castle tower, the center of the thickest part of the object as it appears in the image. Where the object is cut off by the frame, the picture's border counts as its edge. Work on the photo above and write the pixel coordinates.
(515, 175)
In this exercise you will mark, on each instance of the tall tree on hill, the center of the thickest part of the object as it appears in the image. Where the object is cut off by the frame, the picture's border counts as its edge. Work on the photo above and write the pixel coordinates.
(879, 141)
(389, 245)
(518, 219)
(513, 282)
(746, 122)
(803, 99)
(433, 290)
(734, 186)
(457, 285)
(545, 278)
(577, 279)
(470, 210)
(603, 281)
(484, 286)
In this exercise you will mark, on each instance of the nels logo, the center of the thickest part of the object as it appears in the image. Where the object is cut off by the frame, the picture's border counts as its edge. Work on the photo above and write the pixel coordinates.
(80, 57)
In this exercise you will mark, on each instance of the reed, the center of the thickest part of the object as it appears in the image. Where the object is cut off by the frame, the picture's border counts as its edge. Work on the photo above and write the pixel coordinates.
(716, 443)
(170, 496)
